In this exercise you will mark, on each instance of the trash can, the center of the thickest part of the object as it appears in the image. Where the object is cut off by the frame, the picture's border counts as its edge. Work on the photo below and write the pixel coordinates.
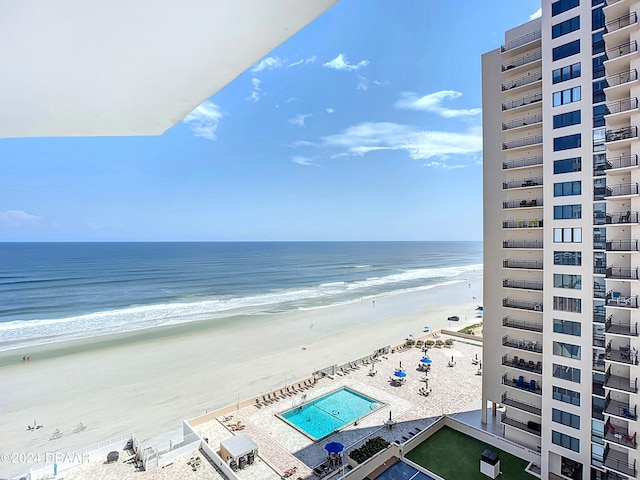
(490, 464)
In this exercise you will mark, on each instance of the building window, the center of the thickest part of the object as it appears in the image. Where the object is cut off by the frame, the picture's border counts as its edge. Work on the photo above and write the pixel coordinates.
(566, 119)
(564, 280)
(567, 212)
(566, 73)
(565, 441)
(566, 50)
(599, 137)
(598, 91)
(569, 95)
(566, 189)
(599, 164)
(562, 6)
(567, 258)
(598, 66)
(567, 142)
(566, 396)
(566, 350)
(567, 165)
(597, 42)
(566, 373)
(567, 327)
(597, 19)
(599, 111)
(567, 235)
(565, 418)
(568, 26)
(567, 304)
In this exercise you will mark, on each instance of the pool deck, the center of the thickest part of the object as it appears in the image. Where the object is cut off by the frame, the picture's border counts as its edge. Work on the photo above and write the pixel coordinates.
(281, 447)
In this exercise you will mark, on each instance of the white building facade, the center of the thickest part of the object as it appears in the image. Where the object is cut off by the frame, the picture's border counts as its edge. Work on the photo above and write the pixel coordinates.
(561, 237)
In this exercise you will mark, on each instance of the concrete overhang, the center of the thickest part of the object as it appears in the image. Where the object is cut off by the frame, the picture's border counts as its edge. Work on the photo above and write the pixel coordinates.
(129, 67)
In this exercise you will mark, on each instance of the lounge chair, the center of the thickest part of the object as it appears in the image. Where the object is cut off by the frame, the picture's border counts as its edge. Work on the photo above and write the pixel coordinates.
(258, 403)
(520, 382)
(610, 427)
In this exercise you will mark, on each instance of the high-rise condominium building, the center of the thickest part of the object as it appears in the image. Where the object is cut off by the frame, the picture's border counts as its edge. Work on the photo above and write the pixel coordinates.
(561, 237)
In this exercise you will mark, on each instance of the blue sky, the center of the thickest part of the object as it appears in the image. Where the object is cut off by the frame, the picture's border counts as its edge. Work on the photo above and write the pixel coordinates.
(366, 125)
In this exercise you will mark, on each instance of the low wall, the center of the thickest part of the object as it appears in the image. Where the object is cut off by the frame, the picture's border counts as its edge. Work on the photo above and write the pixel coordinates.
(465, 336)
(217, 461)
(364, 470)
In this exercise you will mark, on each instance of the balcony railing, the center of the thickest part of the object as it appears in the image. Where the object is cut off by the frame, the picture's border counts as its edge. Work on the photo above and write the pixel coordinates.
(534, 77)
(623, 161)
(620, 436)
(523, 284)
(522, 223)
(621, 217)
(622, 246)
(623, 133)
(523, 162)
(522, 364)
(621, 50)
(525, 407)
(621, 354)
(524, 60)
(520, 382)
(522, 244)
(527, 264)
(525, 182)
(531, 427)
(621, 190)
(531, 202)
(529, 99)
(521, 122)
(518, 42)
(620, 106)
(620, 409)
(621, 301)
(621, 78)
(522, 304)
(521, 324)
(620, 328)
(618, 461)
(617, 382)
(522, 142)
(522, 344)
(621, 22)
(622, 273)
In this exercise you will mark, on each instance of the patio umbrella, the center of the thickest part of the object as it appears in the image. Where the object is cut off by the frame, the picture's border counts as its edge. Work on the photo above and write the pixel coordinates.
(400, 363)
(426, 360)
(334, 447)
(400, 374)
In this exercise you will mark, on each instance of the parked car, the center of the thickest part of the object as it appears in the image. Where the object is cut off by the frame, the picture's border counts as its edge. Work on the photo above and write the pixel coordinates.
(454, 318)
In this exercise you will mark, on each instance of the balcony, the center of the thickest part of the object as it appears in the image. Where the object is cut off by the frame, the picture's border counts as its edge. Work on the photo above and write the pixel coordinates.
(616, 218)
(612, 327)
(622, 273)
(522, 183)
(621, 50)
(622, 246)
(623, 161)
(522, 305)
(617, 382)
(521, 102)
(525, 407)
(522, 223)
(524, 162)
(522, 344)
(620, 409)
(620, 436)
(615, 110)
(613, 300)
(520, 82)
(621, 355)
(620, 134)
(621, 190)
(526, 264)
(521, 324)
(522, 284)
(518, 42)
(522, 142)
(622, 78)
(525, 244)
(522, 364)
(619, 462)
(533, 428)
(522, 122)
(524, 203)
(621, 22)
(521, 61)
(521, 384)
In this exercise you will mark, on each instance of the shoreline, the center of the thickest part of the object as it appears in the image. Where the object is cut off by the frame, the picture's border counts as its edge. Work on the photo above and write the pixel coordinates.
(148, 382)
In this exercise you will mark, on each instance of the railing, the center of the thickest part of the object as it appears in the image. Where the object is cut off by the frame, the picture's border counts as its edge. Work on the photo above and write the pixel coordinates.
(621, 355)
(620, 409)
(518, 42)
(521, 324)
(522, 162)
(619, 328)
(622, 273)
(522, 142)
(525, 182)
(621, 189)
(621, 22)
(623, 133)
(521, 122)
(621, 217)
(622, 246)
(531, 78)
(528, 264)
(521, 344)
(522, 223)
(525, 407)
(522, 244)
(619, 464)
(620, 301)
(620, 437)
(532, 202)
(508, 283)
(620, 78)
(531, 427)
(621, 50)
(620, 383)
(529, 99)
(528, 385)
(522, 364)
(620, 106)
(522, 304)
(623, 161)
(524, 60)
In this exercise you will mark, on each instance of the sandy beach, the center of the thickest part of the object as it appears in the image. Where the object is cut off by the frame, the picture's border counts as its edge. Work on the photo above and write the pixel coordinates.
(148, 382)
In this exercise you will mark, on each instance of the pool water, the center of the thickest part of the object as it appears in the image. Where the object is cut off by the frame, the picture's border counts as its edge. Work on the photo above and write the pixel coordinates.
(402, 471)
(324, 415)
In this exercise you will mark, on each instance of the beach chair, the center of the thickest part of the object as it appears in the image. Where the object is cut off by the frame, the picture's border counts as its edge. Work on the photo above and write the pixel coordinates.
(532, 385)
(627, 413)
(610, 427)
(630, 438)
(520, 382)
(258, 403)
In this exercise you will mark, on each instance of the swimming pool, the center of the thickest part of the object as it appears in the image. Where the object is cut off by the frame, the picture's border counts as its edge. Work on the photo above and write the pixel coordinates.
(324, 415)
(402, 471)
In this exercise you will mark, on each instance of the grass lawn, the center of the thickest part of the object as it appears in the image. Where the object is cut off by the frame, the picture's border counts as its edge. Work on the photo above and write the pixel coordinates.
(453, 455)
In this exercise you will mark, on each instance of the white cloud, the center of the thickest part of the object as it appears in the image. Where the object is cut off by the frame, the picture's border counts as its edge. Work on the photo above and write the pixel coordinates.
(256, 93)
(204, 120)
(363, 83)
(311, 59)
(364, 138)
(330, 110)
(341, 63)
(302, 143)
(304, 161)
(536, 14)
(268, 63)
(299, 119)
(19, 218)
(433, 103)
(445, 166)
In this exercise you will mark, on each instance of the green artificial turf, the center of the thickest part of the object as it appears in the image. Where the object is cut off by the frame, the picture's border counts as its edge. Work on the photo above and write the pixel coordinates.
(454, 455)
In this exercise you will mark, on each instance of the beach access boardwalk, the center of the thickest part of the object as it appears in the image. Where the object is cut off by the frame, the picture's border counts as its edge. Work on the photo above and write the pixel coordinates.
(281, 447)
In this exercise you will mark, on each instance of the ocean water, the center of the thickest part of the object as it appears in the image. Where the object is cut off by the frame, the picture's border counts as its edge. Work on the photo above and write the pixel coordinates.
(59, 291)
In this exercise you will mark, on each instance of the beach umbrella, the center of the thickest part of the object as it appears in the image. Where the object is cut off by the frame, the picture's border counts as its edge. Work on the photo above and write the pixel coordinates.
(426, 360)
(389, 415)
(334, 447)
(400, 374)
